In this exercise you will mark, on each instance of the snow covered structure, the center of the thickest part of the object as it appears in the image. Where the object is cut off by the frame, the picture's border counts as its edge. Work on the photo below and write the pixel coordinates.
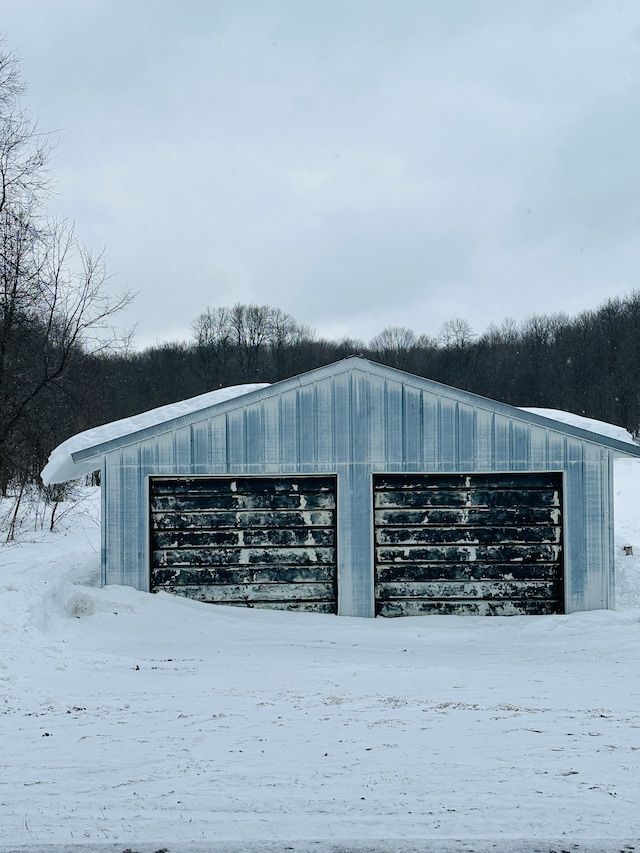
(358, 489)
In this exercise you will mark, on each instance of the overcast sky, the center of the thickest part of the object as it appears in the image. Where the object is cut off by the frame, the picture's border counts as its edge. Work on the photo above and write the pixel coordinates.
(358, 164)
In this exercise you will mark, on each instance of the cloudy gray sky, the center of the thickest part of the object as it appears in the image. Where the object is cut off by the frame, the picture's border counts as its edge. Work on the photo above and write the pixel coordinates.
(358, 164)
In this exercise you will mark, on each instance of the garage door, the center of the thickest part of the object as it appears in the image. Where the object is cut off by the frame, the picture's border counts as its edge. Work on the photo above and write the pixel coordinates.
(249, 541)
(488, 544)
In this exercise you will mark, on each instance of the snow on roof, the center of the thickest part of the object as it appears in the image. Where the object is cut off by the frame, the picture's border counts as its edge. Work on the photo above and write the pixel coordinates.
(599, 427)
(61, 465)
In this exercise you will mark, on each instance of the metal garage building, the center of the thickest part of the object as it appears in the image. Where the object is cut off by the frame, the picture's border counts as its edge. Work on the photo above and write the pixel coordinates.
(361, 490)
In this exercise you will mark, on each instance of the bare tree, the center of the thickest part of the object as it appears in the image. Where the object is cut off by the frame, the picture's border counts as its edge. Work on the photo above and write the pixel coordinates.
(393, 345)
(255, 336)
(456, 333)
(285, 335)
(212, 327)
(55, 307)
(505, 333)
(24, 150)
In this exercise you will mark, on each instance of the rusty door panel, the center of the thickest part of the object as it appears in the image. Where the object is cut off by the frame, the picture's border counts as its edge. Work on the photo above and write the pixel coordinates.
(249, 593)
(245, 538)
(466, 607)
(208, 595)
(467, 498)
(234, 501)
(469, 554)
(468, 543)
(220, 556)
(218, 520)
(461, 590)
(244, 484)
(211, 575)
(463, 535)
(513, 515)
(438, 482)
(247, 541)
(390, 572)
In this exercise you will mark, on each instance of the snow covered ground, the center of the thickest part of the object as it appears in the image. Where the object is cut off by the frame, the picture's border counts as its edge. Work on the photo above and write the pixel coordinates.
(130, 718)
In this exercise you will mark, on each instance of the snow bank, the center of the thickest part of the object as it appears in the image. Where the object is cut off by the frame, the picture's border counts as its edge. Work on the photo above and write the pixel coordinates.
(61, 466)
(130, 718)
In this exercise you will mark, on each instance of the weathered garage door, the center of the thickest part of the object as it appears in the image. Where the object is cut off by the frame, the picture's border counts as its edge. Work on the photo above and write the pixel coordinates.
(479, 543)
(251, 541)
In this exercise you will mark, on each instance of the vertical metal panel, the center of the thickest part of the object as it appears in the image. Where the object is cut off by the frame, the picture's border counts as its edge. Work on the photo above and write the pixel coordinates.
(342, 421)
(483, 454)
(136, 489)
(431, 433)
(271, 438)
(104, 527)
(537, 449)
(577, 553)
(288, 411)
(355, 542)
(218, 446)
(236, 441)
(596, 510)
(254, 437)
(519, 450)
(391, 424)
(466, 437)
(556, 450)
(447, 428)
(149, 456)
(360, 510)
(164, 449)
(501, 442)
(322, 418)
(200, 448)
(377, 433)
(114, 520)
(360, 420)
(610, 533)
(125, 519)
(412, 431)
(183, 451)
(306, 427)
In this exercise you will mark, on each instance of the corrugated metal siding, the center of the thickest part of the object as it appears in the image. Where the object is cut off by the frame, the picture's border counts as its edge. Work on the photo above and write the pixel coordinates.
(353, 423)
